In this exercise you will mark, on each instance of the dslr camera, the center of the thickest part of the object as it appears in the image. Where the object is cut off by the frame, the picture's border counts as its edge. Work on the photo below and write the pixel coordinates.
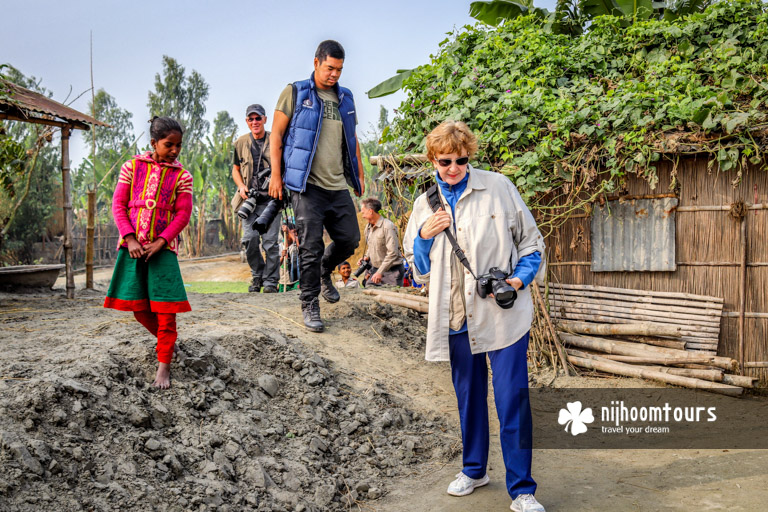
(249, 204)
(495, 282)
(365, 265)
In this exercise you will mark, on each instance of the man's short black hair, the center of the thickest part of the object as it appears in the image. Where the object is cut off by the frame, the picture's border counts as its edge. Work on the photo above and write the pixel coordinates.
(329, 48)
(342, 264)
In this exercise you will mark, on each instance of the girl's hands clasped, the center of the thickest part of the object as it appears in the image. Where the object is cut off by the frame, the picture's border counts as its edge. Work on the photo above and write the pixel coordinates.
(153, 248)
(435, 224)
(134, 247)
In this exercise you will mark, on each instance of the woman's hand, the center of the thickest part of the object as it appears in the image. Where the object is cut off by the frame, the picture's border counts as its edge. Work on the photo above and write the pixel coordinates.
(435, 224)
(154, 247)
(134, 247)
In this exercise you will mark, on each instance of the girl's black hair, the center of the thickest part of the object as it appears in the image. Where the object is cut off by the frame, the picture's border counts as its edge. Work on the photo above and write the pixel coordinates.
(160, 127)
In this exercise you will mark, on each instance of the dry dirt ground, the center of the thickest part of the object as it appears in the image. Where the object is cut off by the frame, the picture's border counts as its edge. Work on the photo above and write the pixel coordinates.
(263, 415)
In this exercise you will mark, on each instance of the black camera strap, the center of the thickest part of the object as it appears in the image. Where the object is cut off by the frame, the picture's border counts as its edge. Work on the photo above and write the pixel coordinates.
(433, 196)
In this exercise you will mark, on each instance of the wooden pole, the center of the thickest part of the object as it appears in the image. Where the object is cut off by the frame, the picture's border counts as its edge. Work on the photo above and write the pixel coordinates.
(637, 328)
(390, 293)
(739, 380)
(624, 348)
(711, 375)
(406, 303)
(89, 239)
(67, 188)
(756, 364)
(658, 342)
(699, 359)
(543, 307)
(89, 232)
(742, 292)
(677, 380)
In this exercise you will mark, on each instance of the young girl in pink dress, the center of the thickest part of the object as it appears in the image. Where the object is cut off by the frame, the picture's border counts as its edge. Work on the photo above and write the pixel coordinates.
(151, 205)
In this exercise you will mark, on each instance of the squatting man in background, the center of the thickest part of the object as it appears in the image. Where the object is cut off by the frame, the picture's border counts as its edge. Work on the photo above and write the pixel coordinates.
(251, 173)
(313, 138)
(486, 316)
(382, 247)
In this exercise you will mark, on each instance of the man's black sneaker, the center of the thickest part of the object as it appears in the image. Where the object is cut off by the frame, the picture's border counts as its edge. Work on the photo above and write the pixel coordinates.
(329, 292)
(255, 286)
(311, 311)
(269, 289)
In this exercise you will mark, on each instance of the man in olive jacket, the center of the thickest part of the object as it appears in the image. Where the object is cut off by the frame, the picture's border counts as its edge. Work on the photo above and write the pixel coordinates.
(251, 172)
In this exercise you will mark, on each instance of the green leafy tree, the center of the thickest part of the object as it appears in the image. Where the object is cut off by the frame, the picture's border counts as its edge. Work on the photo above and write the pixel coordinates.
(224, 127)
(211, 167)
(182, 97)
(113, 147)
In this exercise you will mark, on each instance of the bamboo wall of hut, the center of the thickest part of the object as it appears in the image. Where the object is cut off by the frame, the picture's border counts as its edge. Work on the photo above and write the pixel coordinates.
(721, 250)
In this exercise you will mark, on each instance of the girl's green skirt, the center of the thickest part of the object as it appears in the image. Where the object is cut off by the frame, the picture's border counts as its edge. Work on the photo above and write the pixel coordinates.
(153, 285)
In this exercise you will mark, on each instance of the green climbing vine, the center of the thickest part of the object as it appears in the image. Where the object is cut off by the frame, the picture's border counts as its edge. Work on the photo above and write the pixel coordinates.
(566, 117)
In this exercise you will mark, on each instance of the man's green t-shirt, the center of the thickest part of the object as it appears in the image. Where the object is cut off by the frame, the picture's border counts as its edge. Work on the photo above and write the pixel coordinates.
(327, 166)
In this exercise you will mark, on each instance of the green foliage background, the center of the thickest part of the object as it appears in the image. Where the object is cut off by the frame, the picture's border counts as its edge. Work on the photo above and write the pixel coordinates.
(31, 220)
(551, 110)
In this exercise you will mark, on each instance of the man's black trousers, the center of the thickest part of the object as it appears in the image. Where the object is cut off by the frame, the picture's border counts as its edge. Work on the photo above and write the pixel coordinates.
(315, 209)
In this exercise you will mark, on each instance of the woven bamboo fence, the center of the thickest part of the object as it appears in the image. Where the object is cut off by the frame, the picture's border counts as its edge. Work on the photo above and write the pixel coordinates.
(721, 245)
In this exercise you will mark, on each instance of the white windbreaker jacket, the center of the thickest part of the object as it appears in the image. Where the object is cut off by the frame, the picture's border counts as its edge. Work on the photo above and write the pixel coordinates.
(495, 229)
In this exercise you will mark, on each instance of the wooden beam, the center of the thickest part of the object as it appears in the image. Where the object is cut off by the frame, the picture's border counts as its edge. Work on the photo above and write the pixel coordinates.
(400, 159)
(67, 189)
(77, 125)
(719, 208)
(677, 380)
(89, 239)
(742, 292)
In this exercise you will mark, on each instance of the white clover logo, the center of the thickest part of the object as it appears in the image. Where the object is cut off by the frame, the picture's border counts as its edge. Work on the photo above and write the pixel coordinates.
(575, 418)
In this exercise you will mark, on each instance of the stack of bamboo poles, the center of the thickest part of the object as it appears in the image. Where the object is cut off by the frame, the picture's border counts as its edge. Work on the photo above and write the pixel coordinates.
(697, 317)
(649, 351)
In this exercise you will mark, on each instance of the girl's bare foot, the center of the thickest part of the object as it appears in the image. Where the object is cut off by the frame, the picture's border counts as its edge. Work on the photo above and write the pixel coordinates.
(163, 376)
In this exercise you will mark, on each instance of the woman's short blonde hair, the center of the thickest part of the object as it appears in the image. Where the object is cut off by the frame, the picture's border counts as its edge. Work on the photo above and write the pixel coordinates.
(451, 137)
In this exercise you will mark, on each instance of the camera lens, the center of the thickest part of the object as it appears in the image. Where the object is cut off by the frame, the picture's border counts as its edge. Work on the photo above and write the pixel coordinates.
(247, 207)
(504, 293)
(262, 222)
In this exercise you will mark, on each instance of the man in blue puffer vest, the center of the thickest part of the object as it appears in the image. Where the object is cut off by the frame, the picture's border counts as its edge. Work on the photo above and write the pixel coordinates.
(315, 154)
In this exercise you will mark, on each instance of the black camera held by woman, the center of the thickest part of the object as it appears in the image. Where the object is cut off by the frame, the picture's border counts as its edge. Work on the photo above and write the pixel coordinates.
(495, 282)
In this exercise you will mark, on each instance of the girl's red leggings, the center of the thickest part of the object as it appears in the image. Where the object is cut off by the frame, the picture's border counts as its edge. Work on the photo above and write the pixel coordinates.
(162, 325)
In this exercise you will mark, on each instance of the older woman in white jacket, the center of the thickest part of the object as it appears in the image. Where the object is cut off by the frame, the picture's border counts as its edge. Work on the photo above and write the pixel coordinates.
(494, 228)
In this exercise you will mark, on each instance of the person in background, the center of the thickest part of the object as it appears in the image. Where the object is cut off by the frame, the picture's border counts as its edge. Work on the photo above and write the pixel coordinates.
(147, 279)
(494, 228)
(251, 172)
(289, 257)
(382, 247)
(346, 281)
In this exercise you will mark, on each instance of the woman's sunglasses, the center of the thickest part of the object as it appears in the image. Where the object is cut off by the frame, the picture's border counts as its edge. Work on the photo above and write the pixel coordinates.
(445, 162)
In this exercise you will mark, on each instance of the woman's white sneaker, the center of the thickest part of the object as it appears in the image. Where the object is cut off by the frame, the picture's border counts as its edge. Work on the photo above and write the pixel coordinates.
(526, 503)
(464, 485)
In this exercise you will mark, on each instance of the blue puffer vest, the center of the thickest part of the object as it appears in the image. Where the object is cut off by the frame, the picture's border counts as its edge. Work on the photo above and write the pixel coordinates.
(300, 141)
